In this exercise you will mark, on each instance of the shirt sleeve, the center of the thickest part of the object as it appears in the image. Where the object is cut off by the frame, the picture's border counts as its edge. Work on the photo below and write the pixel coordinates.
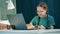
(33, 21)
(51, 20)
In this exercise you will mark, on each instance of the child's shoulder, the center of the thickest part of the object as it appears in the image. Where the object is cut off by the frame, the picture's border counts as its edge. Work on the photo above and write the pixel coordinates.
(49, 16)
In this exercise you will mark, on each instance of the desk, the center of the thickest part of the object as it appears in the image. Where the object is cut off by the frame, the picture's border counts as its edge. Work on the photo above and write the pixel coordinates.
(54, 31)
(6, 26)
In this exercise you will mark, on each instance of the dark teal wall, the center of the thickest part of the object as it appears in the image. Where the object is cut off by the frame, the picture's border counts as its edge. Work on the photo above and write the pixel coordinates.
(28, 8)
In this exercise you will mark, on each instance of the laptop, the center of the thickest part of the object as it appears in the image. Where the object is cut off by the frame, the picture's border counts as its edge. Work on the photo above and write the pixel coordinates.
(17, 21)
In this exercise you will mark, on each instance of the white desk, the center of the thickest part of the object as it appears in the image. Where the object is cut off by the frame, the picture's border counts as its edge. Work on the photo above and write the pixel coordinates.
(55, 31)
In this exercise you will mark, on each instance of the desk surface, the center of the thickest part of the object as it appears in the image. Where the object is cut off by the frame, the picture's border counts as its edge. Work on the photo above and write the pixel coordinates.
(49, 31)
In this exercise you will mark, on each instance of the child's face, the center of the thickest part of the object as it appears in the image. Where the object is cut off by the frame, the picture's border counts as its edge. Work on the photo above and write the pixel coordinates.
(41, 12)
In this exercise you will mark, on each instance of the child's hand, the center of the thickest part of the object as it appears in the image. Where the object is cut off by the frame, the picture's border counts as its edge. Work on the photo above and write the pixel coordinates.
(41, 27)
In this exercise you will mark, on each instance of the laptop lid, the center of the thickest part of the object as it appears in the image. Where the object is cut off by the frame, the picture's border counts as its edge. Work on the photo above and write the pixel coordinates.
(17, 21)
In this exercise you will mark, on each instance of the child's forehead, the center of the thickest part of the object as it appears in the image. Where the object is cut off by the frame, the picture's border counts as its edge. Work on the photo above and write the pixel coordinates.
(41, 8)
